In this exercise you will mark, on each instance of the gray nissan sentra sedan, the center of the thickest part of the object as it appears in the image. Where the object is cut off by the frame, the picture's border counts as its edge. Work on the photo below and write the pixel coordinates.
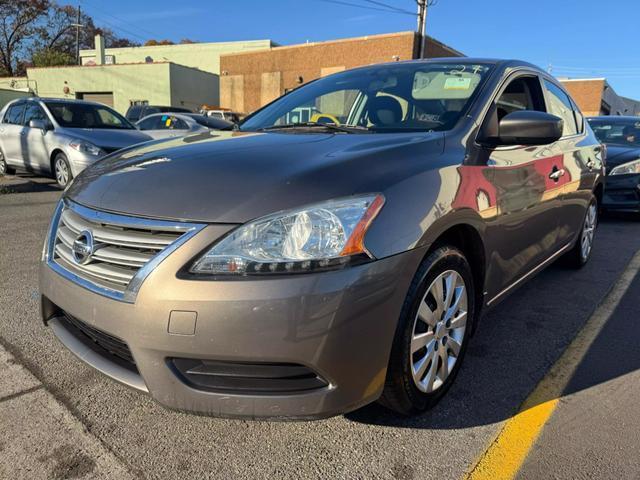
(337, 248)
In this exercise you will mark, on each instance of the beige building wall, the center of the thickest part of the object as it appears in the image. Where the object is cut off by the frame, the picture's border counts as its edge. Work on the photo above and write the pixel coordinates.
(156, 83)
(193, 88)
(203, 56)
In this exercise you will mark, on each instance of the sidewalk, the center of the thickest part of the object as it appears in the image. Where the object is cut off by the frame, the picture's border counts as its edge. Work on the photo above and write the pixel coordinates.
(594, 432)
(40, 438)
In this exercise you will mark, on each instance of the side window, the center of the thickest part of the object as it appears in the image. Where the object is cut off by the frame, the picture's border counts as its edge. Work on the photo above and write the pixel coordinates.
(14, 114)
(579, 117)
(178, 124)
(34, 112)
(523, 93)
(169, 122)
(560, 105)
(149, 123)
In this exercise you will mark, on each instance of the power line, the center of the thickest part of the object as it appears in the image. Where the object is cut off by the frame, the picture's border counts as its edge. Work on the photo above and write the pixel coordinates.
(121, 20)
(391, 7)
(122, 30)
(356, 5)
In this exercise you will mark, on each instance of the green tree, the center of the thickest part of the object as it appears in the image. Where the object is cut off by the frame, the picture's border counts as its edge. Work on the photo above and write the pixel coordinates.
(50, 57)
(18, 25)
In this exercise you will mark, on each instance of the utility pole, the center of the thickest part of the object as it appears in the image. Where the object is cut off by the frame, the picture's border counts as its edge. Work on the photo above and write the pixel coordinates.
(422, 26)
(78, 36)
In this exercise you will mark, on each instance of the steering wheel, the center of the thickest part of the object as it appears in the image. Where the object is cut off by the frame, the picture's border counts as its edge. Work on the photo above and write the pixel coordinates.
(325, 118)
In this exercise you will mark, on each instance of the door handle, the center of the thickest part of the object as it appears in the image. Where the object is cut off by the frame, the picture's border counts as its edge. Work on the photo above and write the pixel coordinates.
(556, 173)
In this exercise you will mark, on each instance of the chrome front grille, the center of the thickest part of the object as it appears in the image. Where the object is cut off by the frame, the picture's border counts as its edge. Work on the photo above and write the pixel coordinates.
(124, 249)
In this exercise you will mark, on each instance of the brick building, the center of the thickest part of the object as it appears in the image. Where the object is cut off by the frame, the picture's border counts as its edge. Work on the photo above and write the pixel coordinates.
(596, 97)
(251, 79)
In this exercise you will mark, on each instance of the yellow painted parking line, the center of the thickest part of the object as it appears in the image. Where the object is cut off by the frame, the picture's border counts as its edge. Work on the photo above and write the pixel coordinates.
(509, 449)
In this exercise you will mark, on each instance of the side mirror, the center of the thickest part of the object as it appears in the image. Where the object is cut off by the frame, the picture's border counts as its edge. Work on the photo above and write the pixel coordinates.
(528, 127)
(40, 124)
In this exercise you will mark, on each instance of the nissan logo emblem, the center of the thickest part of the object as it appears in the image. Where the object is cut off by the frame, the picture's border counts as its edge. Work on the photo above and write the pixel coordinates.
(83, 247)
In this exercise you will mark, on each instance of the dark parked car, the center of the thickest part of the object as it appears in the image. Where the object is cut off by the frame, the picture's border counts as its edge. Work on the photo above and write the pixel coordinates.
(301, 270)
(621, 135)
(137, 112)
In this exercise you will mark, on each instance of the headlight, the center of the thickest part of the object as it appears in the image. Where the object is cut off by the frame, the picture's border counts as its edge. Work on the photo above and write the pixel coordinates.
(630, 167)
(86, 147)
(317, 237)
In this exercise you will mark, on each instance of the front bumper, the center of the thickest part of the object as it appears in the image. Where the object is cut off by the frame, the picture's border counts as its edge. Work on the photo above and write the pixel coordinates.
(78, 161)
(622, 193)
(339, 324)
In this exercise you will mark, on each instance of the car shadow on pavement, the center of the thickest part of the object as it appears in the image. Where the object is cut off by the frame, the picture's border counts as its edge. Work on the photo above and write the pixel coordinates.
(26, 183)
(518, 342)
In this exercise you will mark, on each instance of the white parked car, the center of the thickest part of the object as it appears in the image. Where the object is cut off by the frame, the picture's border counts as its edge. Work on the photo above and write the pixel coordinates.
(169, 125)
(60, 137)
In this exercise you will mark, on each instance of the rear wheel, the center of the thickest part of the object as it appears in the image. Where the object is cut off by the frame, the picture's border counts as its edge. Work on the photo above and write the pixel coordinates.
(61, 170)
(432, 333)
(580, 254)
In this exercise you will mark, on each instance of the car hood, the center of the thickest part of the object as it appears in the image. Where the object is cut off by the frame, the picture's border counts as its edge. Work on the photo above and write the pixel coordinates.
(108, 138)
(617, 155)
(233, 177)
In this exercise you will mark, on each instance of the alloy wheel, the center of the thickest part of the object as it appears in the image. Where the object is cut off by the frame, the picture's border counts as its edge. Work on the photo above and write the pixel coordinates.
(588, 231)
(438, 331)
(62, 172)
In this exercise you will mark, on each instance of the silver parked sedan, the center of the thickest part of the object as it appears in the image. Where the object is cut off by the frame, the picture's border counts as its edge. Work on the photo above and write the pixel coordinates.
(170, 125)
(60, 137)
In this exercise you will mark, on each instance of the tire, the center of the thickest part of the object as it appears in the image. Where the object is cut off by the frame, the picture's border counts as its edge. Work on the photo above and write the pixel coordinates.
(61, 170)
(580, 254)
(5, 169)
(406, 390)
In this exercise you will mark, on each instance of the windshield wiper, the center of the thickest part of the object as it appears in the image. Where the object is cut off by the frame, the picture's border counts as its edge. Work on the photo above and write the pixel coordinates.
(328, 126)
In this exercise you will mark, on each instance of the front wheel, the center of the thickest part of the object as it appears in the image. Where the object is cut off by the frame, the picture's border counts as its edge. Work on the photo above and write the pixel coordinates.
(5, 169)
(61, 170)
(432, 334)
(580, 254)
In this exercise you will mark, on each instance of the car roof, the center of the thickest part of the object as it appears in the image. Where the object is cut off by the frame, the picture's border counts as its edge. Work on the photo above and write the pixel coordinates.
(502, 63)
(64, 100)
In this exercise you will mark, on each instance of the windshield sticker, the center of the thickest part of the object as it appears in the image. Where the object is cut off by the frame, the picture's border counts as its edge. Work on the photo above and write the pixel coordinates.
(457, 83)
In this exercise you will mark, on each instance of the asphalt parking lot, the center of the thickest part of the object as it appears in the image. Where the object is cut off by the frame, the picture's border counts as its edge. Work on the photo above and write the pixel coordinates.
(592, 432)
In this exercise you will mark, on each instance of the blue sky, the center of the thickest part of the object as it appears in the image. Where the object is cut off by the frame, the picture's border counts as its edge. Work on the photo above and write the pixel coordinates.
(564, 34)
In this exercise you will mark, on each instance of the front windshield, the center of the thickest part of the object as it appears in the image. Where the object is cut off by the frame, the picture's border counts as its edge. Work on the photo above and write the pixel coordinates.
(614, 131)
(388, 98)
(87, 115)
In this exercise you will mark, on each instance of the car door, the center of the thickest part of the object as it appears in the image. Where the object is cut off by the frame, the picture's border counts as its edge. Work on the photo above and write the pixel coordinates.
(580, 165)
(11, 134)
(35, 152)
(524, 231)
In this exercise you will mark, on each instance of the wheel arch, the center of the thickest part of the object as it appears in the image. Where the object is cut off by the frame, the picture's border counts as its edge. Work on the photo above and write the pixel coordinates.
(467, 238)
(599, 193)
(52, 157)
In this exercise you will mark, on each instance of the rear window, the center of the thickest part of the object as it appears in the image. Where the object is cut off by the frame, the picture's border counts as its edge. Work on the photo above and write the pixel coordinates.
(169, 109)
(134, 112)
(625, 132)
